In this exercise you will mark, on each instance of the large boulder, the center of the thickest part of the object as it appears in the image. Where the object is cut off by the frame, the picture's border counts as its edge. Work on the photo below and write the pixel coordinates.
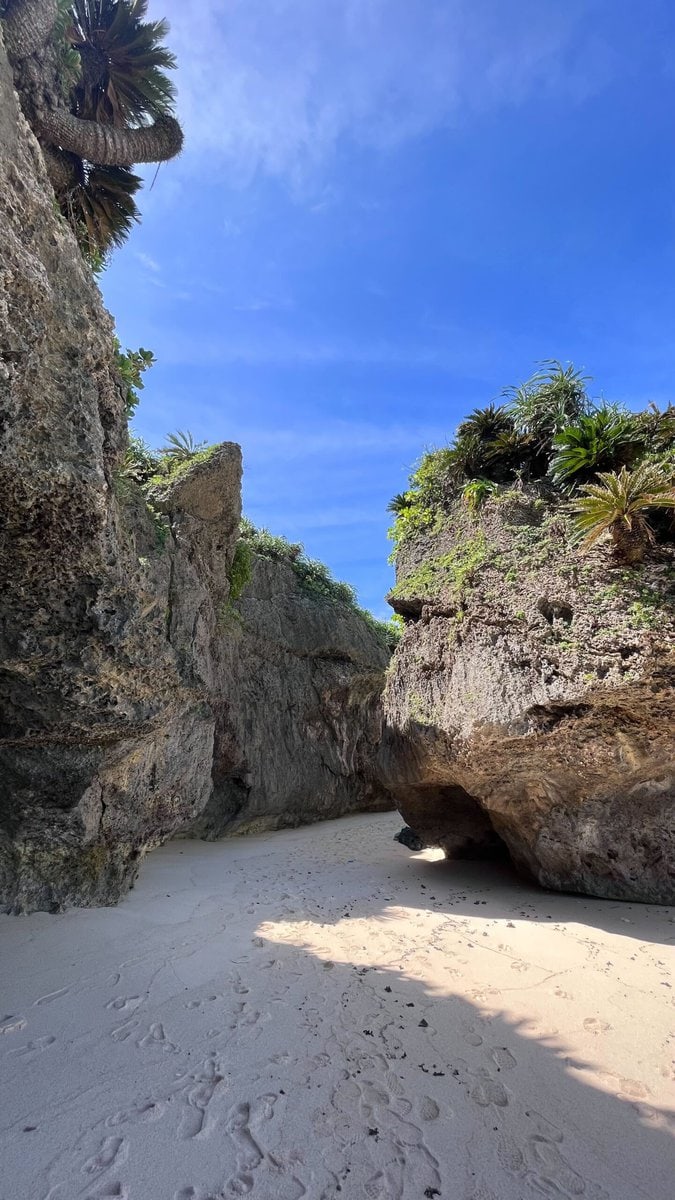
(530, 707)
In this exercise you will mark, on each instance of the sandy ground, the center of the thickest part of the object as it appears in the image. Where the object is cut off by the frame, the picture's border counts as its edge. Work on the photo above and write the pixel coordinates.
(319, 1013)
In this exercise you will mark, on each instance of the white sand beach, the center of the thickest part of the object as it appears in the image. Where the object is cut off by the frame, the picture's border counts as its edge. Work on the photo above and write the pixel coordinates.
(319, 1013)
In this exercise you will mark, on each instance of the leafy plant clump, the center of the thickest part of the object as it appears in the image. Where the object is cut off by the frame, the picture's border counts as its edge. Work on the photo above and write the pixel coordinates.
(131, 365)
(152, 468)
(547, 431)
(181, 447)
(241, 569)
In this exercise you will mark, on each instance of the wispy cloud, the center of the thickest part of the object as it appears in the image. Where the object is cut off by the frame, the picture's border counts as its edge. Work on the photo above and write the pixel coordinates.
(334, 439)
(279, 86)
(147, 261)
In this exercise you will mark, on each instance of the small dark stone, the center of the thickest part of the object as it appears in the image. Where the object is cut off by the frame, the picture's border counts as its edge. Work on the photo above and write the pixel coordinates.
(408, 837)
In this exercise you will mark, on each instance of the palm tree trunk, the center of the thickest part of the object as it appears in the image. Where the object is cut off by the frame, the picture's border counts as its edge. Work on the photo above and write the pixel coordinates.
(630, 542)
(107, 146)
(27, 25)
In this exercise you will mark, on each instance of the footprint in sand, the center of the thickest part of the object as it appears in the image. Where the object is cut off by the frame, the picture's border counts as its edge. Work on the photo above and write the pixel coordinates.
(488, 1091)
(632, 1089)
(502, 1058)
(393, 1083)
(241, 1185)
(552, 1170)
(429, 1110)
(124, 1031)
(109, 1191)
(510, 1156)
(111, 1150)
(124, 1003)
(32, 1049)
(374, 1189)
(157, 1037)
(12, 1025)
(594, 1025)
(473, 1038)
(50, 996)
(519, 965)
(142, 1113)
(248, 1152)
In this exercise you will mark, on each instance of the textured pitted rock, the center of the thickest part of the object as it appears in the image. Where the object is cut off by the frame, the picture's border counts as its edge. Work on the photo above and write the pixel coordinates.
(533, 705)
(122, 697)
(299, 724)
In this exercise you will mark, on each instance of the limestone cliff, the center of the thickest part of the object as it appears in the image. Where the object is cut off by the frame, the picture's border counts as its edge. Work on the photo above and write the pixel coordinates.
(531, 702)
(119, 673)
(294, 739)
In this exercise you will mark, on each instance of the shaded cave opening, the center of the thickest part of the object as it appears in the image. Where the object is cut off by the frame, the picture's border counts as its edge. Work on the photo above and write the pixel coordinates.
(448, 817)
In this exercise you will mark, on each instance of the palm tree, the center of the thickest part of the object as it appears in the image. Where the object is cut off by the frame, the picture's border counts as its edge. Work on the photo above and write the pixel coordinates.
(123, 80)
(617, 505)
(117, 106)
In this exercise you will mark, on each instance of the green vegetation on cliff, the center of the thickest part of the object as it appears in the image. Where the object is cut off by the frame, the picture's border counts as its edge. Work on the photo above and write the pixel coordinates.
(607, 465)
(313, 576)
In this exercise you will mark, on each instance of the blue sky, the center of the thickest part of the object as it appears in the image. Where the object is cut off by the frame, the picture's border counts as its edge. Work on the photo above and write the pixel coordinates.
(386, 211)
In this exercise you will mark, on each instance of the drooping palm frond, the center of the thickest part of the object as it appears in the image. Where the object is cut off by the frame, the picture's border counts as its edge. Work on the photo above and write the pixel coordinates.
(101, 207)
(124, 63)
(617, 503)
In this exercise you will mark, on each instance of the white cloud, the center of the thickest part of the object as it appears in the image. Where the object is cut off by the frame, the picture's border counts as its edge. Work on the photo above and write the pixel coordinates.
(147, 261)
(279, 85)
(336, 438)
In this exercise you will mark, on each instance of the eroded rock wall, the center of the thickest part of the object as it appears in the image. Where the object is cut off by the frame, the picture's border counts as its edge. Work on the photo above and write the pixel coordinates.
(531, 702)
(299, 725)
(122, 695)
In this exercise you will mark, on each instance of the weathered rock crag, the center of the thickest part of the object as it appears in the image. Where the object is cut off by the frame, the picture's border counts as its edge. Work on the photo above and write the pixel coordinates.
(119, 672)
(299, 726)
(530, 706)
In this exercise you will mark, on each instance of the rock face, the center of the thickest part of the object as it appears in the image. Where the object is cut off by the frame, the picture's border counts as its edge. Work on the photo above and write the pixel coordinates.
(119, 677)
(298, 728)
(530, 707)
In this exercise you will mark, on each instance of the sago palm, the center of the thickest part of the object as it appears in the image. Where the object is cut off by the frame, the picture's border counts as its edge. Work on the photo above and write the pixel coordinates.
(123, 79)
(617, 505)
(399, 503)
(603, 440)
(485, 423)
(108, 65)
